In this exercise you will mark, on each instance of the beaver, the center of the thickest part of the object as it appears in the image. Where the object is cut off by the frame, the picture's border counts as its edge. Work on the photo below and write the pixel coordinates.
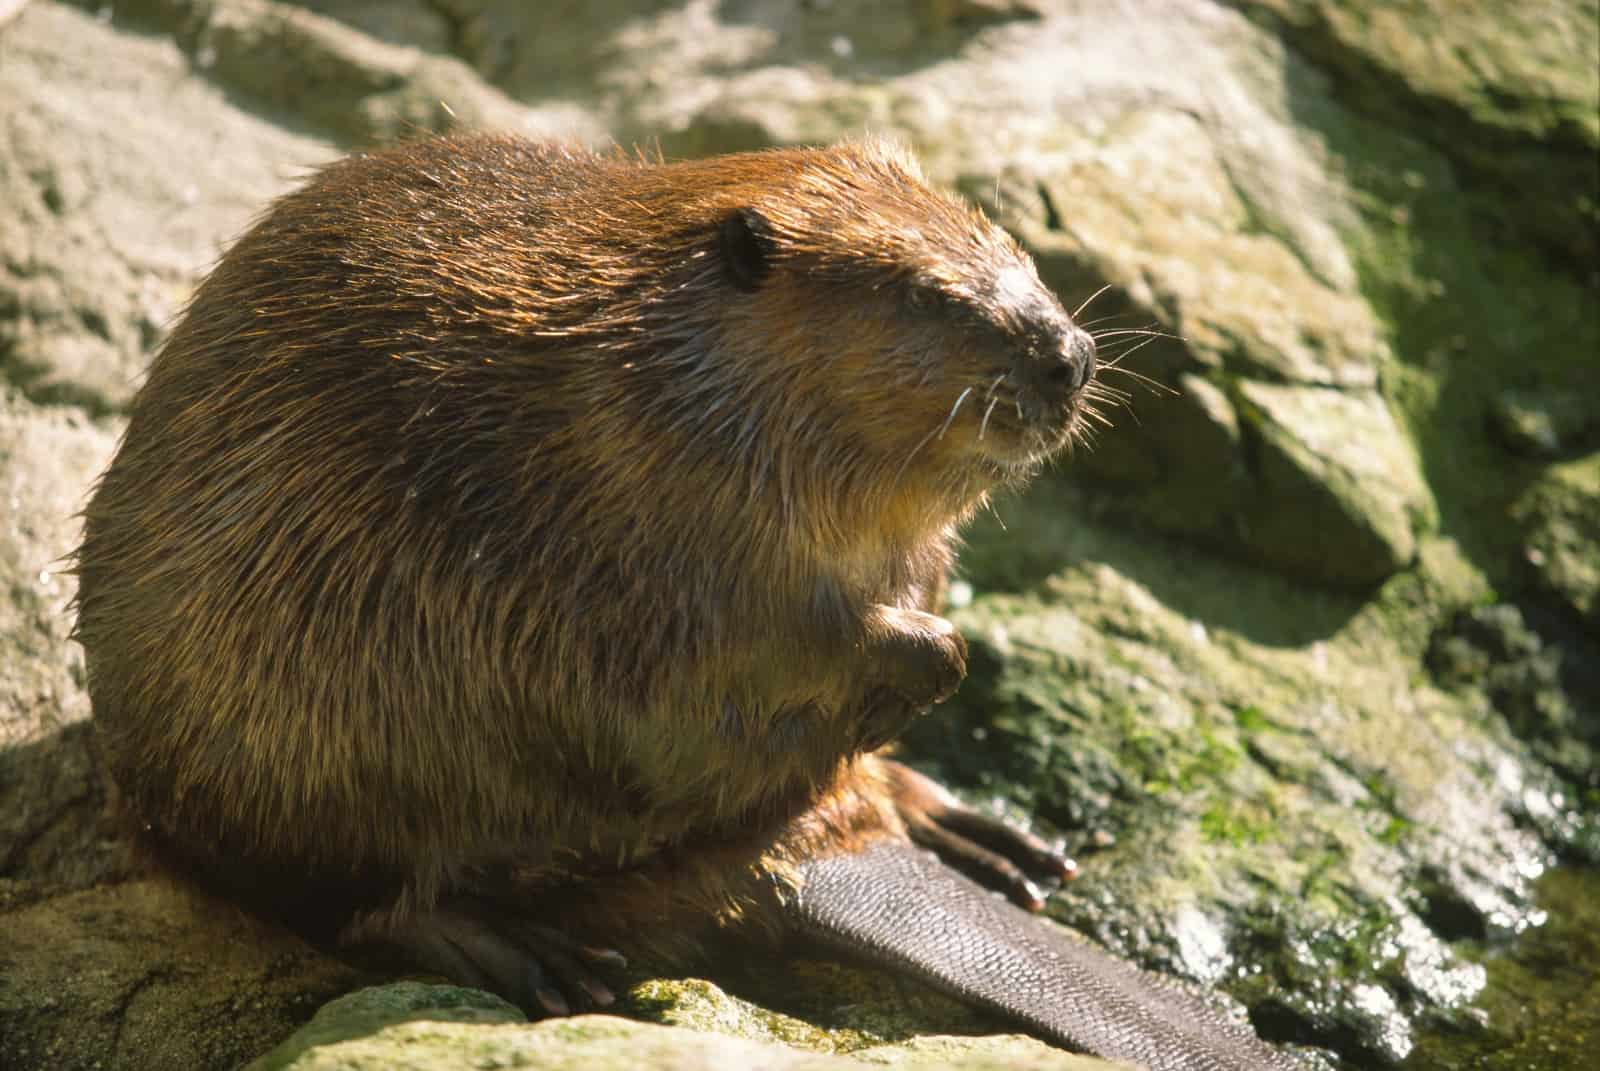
(519, 556)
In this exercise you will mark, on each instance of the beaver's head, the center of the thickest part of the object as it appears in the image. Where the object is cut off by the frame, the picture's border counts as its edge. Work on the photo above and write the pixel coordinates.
(908, 310)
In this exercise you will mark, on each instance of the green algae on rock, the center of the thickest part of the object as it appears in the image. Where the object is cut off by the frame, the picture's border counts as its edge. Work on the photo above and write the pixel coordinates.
(1333, 817)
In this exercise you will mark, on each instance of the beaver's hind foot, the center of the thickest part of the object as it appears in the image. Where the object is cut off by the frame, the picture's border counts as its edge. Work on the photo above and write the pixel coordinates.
(987, 849)
(538, 968)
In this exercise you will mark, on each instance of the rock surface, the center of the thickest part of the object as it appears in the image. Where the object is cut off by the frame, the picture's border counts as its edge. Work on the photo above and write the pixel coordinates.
(137, 974)
(442, 1028)
(1300, 655)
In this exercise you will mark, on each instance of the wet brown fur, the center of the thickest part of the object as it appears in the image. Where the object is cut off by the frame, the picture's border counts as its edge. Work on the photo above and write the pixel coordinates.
(474, 531)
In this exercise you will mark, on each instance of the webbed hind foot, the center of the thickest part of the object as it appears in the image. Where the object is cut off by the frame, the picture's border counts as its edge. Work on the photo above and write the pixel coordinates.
(987, 849)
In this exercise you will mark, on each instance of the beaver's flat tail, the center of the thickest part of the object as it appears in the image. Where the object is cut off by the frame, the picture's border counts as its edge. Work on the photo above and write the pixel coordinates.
(899, 906)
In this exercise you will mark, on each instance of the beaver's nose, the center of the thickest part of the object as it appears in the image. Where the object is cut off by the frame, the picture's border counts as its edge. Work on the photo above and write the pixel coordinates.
(1077, 359)
(1059, 365)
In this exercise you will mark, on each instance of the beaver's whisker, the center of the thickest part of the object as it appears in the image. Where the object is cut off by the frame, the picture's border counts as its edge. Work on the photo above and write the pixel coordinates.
(1098, 335)
(1128, 349)
(915, 450)
(1097, 389)
(1096, 416)
(1115, 365)
(1089, 299)
(999, 379)
(946, 425)
(984, 426)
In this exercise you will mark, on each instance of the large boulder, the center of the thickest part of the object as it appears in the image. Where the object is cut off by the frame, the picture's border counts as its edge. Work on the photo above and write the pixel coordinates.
(1297, 656)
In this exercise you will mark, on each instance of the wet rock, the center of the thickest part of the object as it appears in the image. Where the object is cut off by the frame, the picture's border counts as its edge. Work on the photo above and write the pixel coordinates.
(1334, 825)
(1543, 685)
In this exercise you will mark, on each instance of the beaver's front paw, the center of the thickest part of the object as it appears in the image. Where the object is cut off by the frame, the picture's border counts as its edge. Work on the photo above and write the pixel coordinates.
(919, 657)
(884, 716)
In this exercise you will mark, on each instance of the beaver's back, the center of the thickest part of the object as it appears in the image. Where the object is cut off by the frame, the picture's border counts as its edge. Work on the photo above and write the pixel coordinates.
(288, 638)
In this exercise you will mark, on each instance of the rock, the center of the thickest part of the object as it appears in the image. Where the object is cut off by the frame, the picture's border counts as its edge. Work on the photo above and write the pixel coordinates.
(1536, 673)
(1299, 645)
(1114, 708)
(1340, 494)
(112, 206)
(408, 23)
(366, 1012)
(1509, 93)
(1545, 424)
(1561, 515)
(47, 458)
(292, 62)
(1319, 482)
(442, 1027)
(143, 976)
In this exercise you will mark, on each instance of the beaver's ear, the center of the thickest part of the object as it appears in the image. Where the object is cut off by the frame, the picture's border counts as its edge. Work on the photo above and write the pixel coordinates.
(745, 238)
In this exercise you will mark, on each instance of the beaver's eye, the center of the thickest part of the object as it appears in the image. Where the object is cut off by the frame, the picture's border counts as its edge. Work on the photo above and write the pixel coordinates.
(922, 298)
(746, 244)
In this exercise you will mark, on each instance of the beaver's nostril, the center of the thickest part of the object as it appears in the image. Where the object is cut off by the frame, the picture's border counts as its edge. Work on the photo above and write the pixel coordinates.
(1074, 365)
(1057, 364)
(1079, 353)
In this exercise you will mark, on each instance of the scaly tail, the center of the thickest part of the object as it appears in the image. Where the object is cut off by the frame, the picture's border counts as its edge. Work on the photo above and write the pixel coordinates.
(899, 906)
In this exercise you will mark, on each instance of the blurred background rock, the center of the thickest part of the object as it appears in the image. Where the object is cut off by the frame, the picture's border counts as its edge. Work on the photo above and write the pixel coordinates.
(1304, 656)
